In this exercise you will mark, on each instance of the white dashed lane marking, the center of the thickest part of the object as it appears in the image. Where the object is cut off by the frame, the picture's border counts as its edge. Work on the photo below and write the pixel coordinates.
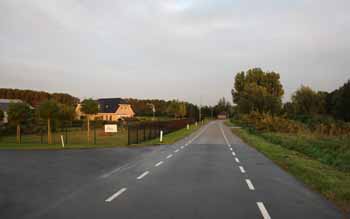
(158, 164)
(115, 195)
(233, 154)
(263, 210)
(169, 156)
(176, 151)
(250, 184)
(242, 169)
(143, 175)
(182, 147)
(237, 160)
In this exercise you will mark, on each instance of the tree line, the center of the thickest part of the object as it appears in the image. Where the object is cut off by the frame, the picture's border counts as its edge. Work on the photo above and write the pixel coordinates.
(163, 108)
(34, 98)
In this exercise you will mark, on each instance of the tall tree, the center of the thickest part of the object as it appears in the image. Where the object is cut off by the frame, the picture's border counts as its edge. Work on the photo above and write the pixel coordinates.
(308, 102)
(174, 109)
(89, 107)
(19, 113)
(256, 90)
(66, 112)
(48, 110)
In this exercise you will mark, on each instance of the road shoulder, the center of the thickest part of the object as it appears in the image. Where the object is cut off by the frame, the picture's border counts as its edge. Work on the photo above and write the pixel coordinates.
(330, 182)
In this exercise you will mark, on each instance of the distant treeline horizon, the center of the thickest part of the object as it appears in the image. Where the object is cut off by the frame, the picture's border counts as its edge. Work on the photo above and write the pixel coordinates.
(142, 107)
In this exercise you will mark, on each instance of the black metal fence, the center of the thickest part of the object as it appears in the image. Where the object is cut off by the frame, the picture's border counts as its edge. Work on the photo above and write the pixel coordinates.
(72, 132)
(143, 131)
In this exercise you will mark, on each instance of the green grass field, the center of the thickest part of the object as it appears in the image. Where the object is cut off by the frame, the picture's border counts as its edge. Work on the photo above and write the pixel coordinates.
(73, 139)
(333, 183)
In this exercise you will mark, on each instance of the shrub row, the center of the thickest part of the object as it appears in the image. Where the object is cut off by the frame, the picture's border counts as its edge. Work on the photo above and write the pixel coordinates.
(263, 122)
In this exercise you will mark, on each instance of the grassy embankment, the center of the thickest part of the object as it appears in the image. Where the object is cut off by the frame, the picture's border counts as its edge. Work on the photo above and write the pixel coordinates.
(318, 162)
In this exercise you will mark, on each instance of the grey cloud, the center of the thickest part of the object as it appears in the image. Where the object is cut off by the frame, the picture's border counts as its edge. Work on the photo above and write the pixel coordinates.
(171, 49)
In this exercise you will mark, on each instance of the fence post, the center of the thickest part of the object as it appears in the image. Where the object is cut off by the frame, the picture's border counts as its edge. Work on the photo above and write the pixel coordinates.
(137, 134)
(161, 136)
(128, 134)
(94, 131)
(41, 135)
(144, 133)
(66, 132)
(20, 135)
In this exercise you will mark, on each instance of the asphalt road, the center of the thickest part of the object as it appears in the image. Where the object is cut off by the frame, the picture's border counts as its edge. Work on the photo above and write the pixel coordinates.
(210, 174)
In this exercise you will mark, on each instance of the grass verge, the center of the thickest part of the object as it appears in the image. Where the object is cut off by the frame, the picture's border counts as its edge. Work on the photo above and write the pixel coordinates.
(329, 181)
(173, 137)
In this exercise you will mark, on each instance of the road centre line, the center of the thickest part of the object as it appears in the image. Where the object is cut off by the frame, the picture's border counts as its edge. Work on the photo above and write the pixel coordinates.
(159, 163)
(242, 169)
(237, 160)
(169, 156)
(263, 210)
(223, 134)
(233, 153)
(250, 184)
(176, 151)
(143, 175)
(182, 147)
(230, 149)
(199, 134)
(115, 195)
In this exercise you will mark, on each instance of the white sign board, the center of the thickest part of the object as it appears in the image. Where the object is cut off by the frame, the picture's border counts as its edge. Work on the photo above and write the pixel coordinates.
(111, 128)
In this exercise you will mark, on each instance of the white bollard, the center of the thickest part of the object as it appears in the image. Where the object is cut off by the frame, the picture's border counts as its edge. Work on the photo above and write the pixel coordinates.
(62, 141)
(188, 127)
(196, 123)
(161, 136)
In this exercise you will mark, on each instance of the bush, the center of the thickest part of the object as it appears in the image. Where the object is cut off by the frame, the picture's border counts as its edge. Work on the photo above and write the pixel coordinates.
(267, 122)
(317, 125)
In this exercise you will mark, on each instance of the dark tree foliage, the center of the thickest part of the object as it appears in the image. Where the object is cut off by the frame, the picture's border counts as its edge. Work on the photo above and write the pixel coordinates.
(222, 106)
(338, 102)
(34, 98)
(309, 102)
(170, 108)
(1, 115)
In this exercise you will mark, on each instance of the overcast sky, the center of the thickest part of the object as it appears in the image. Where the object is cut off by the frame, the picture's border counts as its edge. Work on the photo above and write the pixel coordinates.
(184, 49)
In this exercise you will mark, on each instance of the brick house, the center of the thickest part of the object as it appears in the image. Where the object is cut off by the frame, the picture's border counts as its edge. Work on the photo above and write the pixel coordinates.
(110, 109)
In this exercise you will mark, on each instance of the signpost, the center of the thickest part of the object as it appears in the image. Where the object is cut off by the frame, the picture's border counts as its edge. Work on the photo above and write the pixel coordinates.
(111, 128)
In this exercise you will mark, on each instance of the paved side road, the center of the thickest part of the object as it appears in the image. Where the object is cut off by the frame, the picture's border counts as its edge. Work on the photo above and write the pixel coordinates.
(210, 174)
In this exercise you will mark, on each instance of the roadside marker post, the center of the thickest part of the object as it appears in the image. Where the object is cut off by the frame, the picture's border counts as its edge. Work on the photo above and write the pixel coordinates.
(62, 141)
(188, 127)
(161, 136)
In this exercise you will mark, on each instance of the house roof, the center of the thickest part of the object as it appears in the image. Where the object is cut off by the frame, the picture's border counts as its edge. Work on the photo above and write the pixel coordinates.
(4, 103)
(109, 105)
